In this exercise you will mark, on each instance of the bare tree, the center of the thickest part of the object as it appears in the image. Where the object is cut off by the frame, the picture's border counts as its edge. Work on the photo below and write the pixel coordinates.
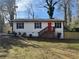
(30, 11)
(2, 15)
(50, 6)
(1, 23)
(69, 11)
(66, 5)
(7, 8)
(77, 3)
(11, 8)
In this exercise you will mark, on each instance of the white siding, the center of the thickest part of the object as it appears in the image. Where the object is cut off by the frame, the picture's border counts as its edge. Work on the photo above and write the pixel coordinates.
(29, 28)
(60, 30)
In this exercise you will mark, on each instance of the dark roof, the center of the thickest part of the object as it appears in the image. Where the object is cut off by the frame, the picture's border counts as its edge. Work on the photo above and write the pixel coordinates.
(36, 20)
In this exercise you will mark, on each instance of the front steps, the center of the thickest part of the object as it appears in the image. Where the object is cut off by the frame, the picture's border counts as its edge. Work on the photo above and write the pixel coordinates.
(48, 34)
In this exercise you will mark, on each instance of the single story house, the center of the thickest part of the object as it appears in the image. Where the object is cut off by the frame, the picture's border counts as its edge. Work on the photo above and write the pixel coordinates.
(49, 28)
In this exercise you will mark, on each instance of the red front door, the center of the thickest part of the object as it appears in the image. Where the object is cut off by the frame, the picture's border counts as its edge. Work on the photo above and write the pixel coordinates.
(49, 26)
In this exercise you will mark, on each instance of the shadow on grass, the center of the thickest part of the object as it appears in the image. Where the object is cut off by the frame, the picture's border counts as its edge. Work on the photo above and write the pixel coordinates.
(55, 40)
(7, 43)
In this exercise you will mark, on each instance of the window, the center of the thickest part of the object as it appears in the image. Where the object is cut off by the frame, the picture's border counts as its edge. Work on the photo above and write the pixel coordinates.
(37, 25)
(58, 25)
(20, 26)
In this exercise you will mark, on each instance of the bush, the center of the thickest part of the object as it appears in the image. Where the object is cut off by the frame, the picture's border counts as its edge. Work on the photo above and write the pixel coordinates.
(19, 33)
(30, 35)
(77, 29)
(14, 33)
(24, 34)
(73, 30)
(9, 32)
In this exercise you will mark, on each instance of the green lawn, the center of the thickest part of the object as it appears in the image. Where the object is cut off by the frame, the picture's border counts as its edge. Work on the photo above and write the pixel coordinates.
(36, 48)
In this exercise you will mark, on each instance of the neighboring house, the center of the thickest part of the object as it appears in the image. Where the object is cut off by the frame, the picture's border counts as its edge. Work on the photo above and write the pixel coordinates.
(39, 27)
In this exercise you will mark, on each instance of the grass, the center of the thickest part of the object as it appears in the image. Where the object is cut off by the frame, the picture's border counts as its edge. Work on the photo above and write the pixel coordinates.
(73, 46)
(36, 48)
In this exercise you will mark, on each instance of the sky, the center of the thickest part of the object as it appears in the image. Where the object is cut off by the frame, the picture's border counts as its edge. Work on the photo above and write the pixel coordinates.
(38, 11)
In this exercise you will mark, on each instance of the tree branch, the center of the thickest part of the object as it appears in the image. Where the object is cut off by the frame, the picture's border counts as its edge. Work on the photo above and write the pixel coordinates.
(47, 2)
(46, 7)
(56, 2)
(50, 2)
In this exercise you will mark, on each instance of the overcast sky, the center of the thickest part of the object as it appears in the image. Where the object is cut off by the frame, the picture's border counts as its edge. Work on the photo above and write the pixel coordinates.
(39, 12)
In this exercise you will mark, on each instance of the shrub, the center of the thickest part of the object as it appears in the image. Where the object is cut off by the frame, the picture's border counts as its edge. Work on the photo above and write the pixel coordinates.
(24, 34)
(9, 32)
(77, 29)
(19, 33)
(30, 35)
(14, 33)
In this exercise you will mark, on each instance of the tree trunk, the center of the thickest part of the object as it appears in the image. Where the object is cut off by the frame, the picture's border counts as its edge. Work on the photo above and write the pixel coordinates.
(65, 16)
